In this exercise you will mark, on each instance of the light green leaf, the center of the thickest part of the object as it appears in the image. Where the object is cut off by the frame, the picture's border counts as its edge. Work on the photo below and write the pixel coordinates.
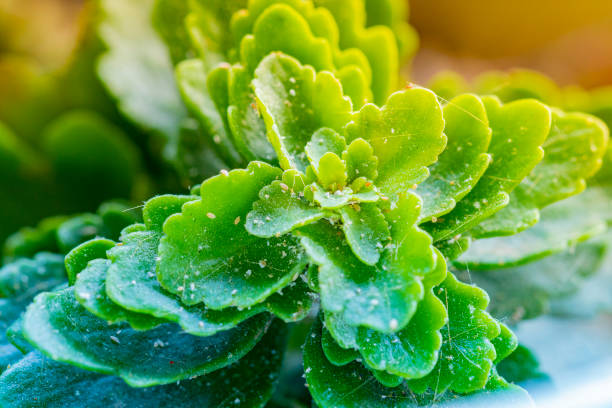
(377, 43)
(331, 171)
(366, 231)
(249, 382)
(464, 160)
(573, 152)
(360, 160)
(519, 129)
(207, 256)
(383, 297)
(406, 135)
(245, 121)
(281, 28)
(295, 102)
(62, 329)
(324, 141)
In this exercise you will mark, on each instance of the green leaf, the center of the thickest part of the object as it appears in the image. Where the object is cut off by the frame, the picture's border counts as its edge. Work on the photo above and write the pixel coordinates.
(245, 121)
(383, 297)
(366, 231)
(504, 344)
(406, 135)
(521, 366)
(209, 25)
(336, 355)
(468, 132)
(518, 130)
(353, 385)
(377, 43)
(360, 160)
(526, 291)
(281, 28)
(323, 141)
(79, 144)
(282, 208)
(573, 152)
(467, 354)
(331, 172)
(194, 83)
(562, 226)
(28, 241)
(207, 256)
(77, 259)
(411, 352)
(25, 275)
(168, 20)
(62, 329)
(137, 69)
(296, 102)
(90, 291)
(249, 382)
(131, 281)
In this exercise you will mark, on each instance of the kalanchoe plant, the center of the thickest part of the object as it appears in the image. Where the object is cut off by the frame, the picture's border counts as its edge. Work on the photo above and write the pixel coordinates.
(341, 203)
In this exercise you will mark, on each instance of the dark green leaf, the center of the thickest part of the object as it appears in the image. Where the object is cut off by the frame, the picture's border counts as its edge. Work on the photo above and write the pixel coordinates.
(62, 329)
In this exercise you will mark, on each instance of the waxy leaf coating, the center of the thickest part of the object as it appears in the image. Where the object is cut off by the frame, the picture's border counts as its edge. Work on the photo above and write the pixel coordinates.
(77, 259)
(353, 385)
(207, 256)
(90, 291)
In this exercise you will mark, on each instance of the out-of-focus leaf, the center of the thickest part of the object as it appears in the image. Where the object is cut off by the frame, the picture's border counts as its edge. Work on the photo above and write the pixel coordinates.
(137, 70)
(562, 226)
(526, 291)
